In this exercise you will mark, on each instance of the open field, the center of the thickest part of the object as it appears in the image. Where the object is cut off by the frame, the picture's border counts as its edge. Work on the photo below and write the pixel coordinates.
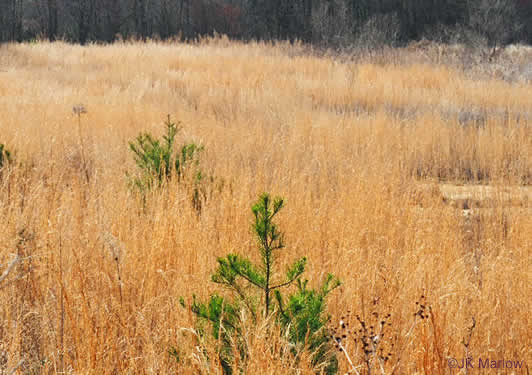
(401, 176)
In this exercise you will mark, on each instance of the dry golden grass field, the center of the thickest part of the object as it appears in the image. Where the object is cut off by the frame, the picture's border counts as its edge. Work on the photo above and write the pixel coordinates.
(404, 176)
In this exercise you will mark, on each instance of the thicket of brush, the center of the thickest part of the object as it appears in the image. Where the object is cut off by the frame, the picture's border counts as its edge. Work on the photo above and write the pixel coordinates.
(94, 279)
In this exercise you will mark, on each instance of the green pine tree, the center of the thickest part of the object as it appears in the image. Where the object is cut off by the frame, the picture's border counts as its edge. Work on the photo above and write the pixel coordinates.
(233, 269)
(256, 288)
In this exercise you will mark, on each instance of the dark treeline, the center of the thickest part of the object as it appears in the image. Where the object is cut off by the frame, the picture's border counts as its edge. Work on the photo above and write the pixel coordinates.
(326, 22)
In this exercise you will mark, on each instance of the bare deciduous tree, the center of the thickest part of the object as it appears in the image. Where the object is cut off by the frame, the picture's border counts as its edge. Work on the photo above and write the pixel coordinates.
(334, 22)
(496, 21)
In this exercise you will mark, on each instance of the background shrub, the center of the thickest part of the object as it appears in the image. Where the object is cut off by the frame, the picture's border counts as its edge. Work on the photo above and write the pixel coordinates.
(5, 155)
(159, 160)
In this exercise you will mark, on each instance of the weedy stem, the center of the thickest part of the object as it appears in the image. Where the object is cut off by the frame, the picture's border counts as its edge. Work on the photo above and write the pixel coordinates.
(353, 368)
(80, 110)
(62, 322)
(10, 267)
(14, 369)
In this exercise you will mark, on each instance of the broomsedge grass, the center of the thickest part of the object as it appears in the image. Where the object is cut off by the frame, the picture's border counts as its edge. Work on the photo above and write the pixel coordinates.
(349, 145)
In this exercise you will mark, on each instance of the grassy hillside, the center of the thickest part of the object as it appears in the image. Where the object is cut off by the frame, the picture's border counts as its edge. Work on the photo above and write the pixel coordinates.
(402, 176)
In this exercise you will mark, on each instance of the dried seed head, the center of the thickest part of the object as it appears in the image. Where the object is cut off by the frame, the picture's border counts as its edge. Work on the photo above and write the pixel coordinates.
(79, 109)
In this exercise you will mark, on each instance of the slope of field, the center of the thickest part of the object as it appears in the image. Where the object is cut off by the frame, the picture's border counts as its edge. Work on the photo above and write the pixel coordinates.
(368, 156)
